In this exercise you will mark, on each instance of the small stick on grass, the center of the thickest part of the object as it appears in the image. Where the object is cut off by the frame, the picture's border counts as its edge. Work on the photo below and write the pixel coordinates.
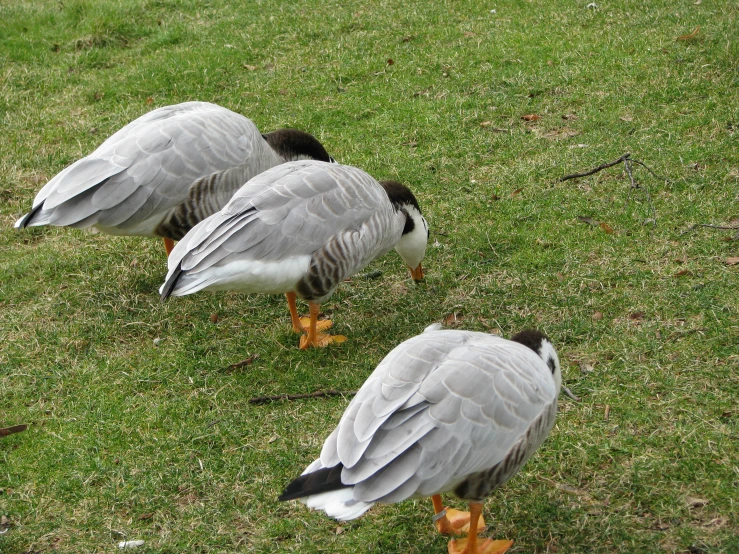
(597, 169)
(243, 363)
(720, 227)
(317, 394)
(607, 412)
(12, 430)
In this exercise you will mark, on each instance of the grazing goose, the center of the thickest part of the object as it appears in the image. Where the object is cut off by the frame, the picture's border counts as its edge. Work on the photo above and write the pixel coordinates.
(300, 228)
(445, 411)
(166, 171)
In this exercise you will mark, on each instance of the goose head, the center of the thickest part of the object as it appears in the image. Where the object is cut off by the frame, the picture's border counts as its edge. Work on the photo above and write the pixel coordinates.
(412, 243)
(540, 343)
(293, 144)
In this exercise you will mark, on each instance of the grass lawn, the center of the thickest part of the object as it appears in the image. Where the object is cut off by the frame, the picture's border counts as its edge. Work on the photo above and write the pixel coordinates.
(138, 429)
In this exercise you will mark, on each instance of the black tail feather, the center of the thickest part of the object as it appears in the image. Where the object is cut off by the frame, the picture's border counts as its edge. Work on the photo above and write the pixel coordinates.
(29, 216)
(324, 480)
(171, 283)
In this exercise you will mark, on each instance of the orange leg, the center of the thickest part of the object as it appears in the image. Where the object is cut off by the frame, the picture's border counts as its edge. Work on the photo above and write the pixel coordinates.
(314, 338)
(297, 325)
(469, 545)
(452, 522)
(168, 246)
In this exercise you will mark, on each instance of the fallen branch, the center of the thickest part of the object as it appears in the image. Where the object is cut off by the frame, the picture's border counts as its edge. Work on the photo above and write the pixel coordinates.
(317, 394)
(597, 169)
(12, 430)
(627, 161)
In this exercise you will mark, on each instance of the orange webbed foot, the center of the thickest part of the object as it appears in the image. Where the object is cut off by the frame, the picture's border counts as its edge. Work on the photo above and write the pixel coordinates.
(321, 325)
(488, 546)
(321, 341)
(457, 522)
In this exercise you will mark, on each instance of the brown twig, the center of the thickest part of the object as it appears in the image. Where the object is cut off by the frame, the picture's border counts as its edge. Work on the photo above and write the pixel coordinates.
(12, 430)
(242, 363)
(597, 169)
(317, 394)
(720, 227)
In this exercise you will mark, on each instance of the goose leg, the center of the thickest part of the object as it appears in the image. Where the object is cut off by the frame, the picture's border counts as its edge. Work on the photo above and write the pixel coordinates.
(300, 323)
(451, 521)
(314, 338)
(469, 545)
(168, 246)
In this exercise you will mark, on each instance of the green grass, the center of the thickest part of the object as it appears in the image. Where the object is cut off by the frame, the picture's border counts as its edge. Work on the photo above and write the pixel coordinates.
(132, 439)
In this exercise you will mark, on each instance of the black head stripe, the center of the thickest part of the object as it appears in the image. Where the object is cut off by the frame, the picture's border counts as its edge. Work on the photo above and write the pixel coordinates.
(399, 194)
(409, 223)
(552, 365)
(292, 143)
(531, 338)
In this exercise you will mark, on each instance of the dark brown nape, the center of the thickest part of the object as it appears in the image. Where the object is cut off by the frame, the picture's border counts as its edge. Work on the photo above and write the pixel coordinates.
(531, 338)
(293, 143)
(399, 194)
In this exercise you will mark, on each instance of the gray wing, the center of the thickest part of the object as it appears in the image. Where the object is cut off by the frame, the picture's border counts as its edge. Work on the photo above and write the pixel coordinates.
(290, 210)
(441, 406)
(149, 165)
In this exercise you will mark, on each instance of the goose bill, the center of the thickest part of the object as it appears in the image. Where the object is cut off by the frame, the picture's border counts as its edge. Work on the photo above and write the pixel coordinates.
(417, 273)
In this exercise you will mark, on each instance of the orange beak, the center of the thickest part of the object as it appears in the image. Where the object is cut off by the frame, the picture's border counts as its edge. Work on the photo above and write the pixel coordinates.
(417, 273)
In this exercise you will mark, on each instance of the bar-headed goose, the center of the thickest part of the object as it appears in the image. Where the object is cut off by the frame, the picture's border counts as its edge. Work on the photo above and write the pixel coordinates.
(445, 411)
(166, 171)
(300, 228)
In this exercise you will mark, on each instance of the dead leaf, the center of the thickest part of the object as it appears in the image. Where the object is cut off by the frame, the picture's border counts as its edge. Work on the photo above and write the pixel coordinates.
(557, 134)
(469, 34)
(694, 502)
(637, 316)
(408, 38)
(453, 320)
(683, 273)
(486, 124)
(607, 413)
(390, 61)
(597, 316)
(149, 100)
(516, 192)
(691, 35)
(586, 367)
(716, 523)
(412, 144)
(626, 118)
(339, 530)
(607, 228)
(273, 438)
(588, 220)
(214, 318)
(697, 3)
(731, 261)
(249, 67)
(12, 430)
(495, 197)
(531, 117)
(569, 116)
(146, 516)
(560, 277)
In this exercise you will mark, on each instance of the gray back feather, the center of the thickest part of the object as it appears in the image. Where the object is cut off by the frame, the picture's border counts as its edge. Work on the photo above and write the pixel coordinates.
(170, 156)
(441, 407)
(295, 209)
